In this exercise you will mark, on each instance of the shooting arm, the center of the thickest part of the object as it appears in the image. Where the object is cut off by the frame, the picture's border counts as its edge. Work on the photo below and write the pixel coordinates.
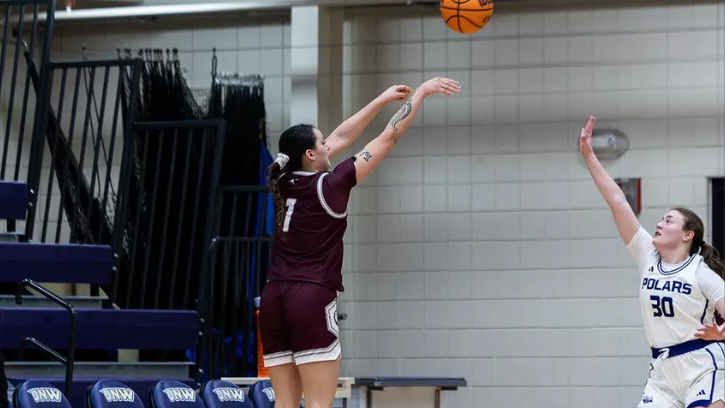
(345, 134)
(371, 156)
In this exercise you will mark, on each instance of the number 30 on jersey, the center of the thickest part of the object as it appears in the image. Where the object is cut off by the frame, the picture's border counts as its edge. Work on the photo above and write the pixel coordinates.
(662, 306)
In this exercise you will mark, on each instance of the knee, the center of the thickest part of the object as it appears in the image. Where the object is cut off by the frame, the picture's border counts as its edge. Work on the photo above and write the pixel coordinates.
(317, 404)
(286, 404)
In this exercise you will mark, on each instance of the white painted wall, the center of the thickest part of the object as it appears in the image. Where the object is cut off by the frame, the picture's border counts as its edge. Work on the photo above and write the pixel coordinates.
(481, 248)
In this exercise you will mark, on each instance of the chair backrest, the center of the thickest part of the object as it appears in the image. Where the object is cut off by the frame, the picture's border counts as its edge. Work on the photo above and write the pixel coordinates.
(112, 394)
(223, 394)
(174, 394)
(39, 394)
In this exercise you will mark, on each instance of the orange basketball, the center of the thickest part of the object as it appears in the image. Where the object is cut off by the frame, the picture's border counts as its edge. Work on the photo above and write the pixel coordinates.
(466, 16)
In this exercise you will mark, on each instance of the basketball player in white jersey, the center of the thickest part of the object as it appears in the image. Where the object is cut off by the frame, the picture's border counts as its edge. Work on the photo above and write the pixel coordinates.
(681, 298)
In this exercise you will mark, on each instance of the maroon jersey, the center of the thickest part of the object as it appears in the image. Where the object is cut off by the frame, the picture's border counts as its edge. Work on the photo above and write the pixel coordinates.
(315, 221)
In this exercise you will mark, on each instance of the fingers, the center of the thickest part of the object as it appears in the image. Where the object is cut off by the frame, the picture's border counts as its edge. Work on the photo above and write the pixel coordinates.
(449, 86)
(587, 130)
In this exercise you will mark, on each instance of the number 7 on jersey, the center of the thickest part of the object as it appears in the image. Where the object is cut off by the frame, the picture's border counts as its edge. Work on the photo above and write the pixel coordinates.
(288, 214)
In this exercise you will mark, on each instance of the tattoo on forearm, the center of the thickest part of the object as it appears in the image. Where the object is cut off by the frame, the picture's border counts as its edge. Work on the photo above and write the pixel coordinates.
(403, 113)
(365, 155)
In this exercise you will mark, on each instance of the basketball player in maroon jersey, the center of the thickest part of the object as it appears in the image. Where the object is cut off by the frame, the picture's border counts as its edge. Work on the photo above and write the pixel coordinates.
(298, 309)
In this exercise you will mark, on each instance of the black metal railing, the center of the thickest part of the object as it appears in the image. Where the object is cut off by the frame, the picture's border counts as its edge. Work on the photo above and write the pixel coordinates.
(69, 361)
(85, 134)
(232, 278)
(20, 20)
(170, 189)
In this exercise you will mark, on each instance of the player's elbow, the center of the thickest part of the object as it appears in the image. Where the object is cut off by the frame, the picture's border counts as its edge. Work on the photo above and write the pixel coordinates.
(616, 200)
(390, 137)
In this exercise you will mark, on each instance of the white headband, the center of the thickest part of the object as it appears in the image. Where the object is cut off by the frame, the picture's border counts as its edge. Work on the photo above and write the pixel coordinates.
(281, 159)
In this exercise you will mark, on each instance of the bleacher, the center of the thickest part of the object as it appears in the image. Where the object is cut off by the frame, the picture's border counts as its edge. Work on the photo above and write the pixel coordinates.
(63, 333)
(58, 322)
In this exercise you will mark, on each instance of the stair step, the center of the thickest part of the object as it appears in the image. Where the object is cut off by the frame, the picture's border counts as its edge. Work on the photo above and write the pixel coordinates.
(56, 263)
(10, 236)
(101, 328)
(79, 302)
(13, 200)
(81, 384)
(99, 369)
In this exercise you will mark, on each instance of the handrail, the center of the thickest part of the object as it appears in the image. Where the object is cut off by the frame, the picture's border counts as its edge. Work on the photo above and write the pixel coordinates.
(49, 351)
(70, 361)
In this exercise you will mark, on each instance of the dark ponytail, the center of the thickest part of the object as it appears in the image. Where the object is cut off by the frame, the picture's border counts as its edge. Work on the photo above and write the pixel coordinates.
(274, 172)
(712, 259)
(293, 143)
(708, 252)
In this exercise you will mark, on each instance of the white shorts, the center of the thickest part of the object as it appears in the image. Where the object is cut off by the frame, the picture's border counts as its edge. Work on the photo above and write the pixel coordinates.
(694, 379)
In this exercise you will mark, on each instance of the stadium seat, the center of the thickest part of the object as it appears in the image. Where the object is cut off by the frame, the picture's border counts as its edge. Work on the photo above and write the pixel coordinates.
(223, 394)
(112, 394)
(38, 393)
(173, 394)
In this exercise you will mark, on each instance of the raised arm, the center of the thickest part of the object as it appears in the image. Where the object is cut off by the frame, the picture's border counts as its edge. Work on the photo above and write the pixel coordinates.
(624, 217)
(349, 130)
(371, 156)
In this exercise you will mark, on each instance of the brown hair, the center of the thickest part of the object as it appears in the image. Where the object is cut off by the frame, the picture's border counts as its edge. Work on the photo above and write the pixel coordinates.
(709, 253)
(293, 142)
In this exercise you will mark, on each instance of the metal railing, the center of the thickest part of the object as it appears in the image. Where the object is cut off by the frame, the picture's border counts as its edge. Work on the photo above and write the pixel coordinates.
(18, 138)
(170, 189)
(232, 277)
(69, 361)
(79, 191)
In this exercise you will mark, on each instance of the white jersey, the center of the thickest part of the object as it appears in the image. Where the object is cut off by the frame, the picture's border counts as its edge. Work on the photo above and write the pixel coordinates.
(675, 300)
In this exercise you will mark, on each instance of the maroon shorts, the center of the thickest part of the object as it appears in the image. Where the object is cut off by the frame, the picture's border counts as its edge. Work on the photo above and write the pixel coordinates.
(298, 323)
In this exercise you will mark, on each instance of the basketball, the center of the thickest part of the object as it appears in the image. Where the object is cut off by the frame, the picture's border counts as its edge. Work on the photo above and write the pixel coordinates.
(466, 16)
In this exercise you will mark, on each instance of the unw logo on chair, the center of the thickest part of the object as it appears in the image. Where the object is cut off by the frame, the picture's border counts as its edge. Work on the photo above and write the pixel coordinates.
(179, 394)
(45, 394)
(485, 2)
(227, 394)
(117, 394)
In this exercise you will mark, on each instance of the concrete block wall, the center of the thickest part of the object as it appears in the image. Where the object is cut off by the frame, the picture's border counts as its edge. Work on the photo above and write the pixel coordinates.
(481, 248)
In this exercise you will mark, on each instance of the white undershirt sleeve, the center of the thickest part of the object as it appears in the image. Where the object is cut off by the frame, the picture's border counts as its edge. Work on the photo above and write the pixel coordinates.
(711, 284)
(641, 248)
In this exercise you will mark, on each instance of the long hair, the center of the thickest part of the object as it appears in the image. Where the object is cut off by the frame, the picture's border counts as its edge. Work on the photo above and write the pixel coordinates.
(709, 253)
(293, 143)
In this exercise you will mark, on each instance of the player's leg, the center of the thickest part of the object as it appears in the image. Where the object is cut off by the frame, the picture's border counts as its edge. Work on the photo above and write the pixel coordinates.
(319, 382)
(286, 384)
(657, 392)
(709, 388)
(315, 341)
(707, 392)
(275, 336)
(655, 398)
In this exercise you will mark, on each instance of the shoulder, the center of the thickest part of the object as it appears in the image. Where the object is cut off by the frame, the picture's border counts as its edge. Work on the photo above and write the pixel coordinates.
(333, 188)
(704, 271)
(710, 283)
(344, 166)
(343, 175)
(642, 249)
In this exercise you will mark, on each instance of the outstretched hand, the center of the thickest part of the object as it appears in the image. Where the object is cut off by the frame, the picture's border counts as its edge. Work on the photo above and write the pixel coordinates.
(711, 331)
(585, 139)
(395, 93)
(439, 85)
